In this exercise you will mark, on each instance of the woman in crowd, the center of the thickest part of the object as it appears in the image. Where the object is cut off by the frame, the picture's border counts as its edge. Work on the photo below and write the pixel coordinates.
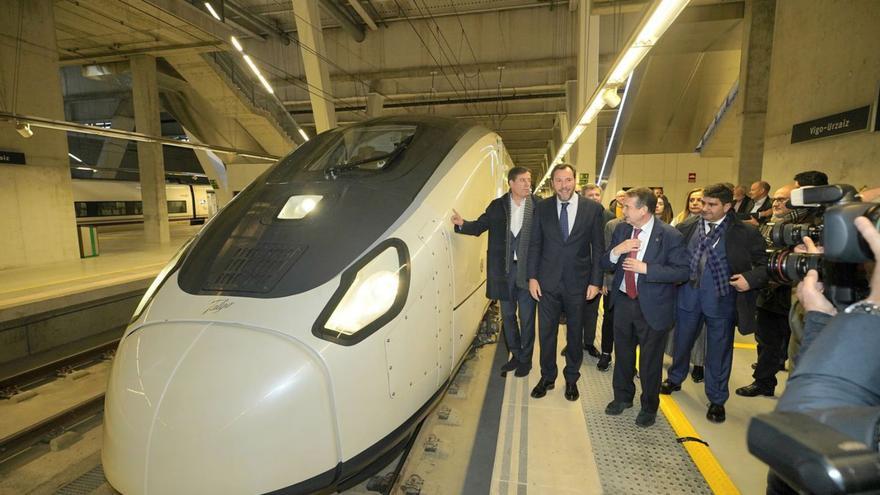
(693, 206)
(664, 209)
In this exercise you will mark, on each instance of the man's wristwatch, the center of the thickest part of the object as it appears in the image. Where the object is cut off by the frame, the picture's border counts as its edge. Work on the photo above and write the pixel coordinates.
(864, 307)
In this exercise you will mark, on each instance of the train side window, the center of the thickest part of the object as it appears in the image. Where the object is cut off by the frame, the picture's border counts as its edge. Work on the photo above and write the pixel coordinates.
(177, 207)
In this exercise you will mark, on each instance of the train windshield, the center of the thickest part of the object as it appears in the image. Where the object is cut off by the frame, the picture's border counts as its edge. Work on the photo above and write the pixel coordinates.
(357, 149)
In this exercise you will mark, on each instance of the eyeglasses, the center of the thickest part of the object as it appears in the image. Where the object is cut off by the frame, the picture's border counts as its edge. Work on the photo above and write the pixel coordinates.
(779, 200)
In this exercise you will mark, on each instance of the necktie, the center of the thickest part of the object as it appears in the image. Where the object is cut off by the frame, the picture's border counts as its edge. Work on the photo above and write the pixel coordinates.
(629, 277)
(705, 256)
(563, 221)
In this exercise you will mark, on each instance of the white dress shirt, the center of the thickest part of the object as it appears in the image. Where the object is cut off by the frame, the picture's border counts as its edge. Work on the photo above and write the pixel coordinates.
(758, 204)
(645, 237)
(706, 229)
(572, 210)
(517, 213)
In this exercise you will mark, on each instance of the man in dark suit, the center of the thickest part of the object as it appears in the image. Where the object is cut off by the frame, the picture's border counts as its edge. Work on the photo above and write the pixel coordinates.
(509, 222)
(591, 308)
(741, 202)
(648, 258)
(758, 211)
(727, 265)
(563, 273)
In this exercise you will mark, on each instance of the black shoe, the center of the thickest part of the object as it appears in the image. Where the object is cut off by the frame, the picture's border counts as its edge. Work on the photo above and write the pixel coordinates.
(754, 390)
(571, 391)
(591, 350)
(510, 365)
(697, 374)
(615, 408)
(646, 419)
(716, 413)
(604, 362)
(523, 370)
(542, 387)
(668, 387)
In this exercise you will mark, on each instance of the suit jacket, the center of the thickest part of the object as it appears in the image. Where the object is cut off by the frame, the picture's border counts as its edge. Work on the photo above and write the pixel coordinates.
(566, 266)
(746, 256)
(667, 260)
(745, 213)
(744, 208)
(495, 220)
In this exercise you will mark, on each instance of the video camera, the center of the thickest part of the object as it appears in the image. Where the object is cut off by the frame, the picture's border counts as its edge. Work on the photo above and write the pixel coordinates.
(829, 451)
(835, 207)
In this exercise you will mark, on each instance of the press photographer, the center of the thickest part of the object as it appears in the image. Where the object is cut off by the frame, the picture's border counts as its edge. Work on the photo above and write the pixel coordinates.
(773, 306)
(824, 435)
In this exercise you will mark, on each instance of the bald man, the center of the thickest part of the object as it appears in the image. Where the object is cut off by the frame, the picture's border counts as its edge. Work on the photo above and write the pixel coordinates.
(774, 304)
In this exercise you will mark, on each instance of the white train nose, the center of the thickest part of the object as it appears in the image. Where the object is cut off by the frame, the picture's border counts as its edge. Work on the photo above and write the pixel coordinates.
(217, 408)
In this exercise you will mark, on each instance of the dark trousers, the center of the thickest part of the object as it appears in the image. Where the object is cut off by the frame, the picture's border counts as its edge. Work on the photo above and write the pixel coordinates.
(519, 335)
(772, 334)
(719, 345)
(589, 319)
(549, 309)
(631, 330)
(607, 325)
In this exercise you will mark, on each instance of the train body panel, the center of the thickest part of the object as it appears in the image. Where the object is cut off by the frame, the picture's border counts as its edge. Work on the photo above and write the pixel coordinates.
(375, 387)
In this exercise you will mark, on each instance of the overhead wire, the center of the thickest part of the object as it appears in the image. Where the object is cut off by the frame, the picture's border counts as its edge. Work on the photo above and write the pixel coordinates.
(428, 49)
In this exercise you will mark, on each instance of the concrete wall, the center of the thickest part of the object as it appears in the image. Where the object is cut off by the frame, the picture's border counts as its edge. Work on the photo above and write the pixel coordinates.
(826, 59)
(669, 171)
(38, 223)
(240, 175)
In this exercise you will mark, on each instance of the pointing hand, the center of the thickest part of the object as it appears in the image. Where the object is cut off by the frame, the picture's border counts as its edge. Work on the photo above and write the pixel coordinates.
(456, 218)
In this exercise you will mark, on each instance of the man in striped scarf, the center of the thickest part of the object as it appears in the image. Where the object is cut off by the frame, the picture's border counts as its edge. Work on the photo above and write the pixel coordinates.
(727, 265)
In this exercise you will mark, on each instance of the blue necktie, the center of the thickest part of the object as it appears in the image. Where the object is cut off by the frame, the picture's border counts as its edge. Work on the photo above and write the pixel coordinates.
(563, 221)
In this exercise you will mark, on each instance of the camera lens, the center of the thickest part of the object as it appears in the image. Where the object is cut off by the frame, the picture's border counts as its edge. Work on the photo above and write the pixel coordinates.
(792, 234)
(843, 243)
(788, 268)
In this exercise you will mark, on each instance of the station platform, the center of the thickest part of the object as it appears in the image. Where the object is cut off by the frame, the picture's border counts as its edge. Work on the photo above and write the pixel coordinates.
(43, 308)
(514, 444)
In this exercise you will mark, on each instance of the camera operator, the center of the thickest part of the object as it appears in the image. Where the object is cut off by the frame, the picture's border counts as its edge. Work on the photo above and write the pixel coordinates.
(810, 216)
(838, 366)
(773, 305)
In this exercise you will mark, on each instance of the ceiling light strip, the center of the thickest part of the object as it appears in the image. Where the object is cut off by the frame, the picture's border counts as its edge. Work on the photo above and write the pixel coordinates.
(657, 18)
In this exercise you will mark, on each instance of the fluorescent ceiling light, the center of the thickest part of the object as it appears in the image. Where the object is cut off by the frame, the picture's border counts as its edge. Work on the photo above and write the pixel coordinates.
(74, 157)
(236, 44)
(613, 132)
(259, 74)
(303, 134)
(659, 16)
(212, 11)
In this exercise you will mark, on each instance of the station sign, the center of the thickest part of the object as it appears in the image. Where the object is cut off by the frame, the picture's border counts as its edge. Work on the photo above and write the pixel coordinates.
(12, 158)
(840, 123)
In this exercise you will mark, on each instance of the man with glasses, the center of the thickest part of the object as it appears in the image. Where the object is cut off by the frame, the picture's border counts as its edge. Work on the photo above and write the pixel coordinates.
(774, 303)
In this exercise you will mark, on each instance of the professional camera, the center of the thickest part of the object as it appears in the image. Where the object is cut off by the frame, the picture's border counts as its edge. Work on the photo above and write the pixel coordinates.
(827, 451)
(835, 207)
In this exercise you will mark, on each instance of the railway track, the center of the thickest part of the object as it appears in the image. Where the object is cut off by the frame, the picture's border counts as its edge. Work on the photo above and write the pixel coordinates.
(45, 432)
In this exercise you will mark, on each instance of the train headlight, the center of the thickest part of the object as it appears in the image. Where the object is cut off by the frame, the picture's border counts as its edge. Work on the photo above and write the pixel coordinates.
(371, 293)
(170, 268)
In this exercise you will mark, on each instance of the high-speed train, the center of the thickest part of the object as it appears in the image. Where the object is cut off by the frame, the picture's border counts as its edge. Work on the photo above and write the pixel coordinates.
(98, 202)
(299, 339)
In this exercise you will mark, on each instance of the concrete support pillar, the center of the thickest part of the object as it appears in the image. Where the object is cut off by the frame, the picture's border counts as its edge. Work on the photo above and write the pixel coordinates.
(145, 96)
(38, 223)
(754, 82)
(375, 102)
(583, 154)
(308, 30)
(113, 150)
